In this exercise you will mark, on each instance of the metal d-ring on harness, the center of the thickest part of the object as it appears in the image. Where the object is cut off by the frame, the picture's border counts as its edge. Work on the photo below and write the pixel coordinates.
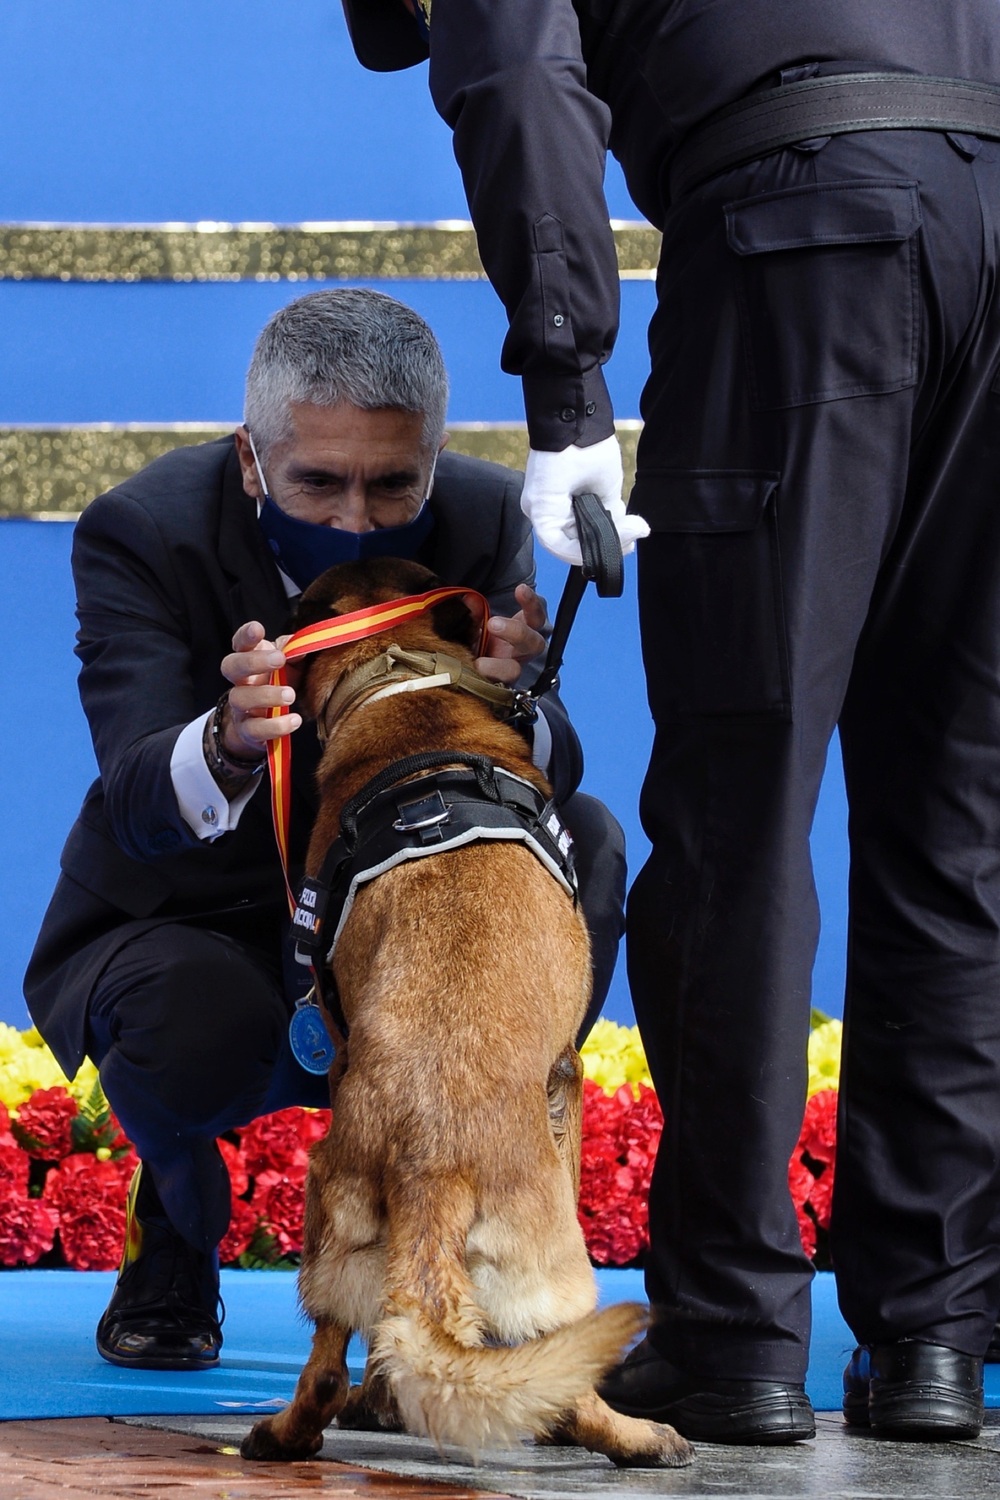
(438, 801)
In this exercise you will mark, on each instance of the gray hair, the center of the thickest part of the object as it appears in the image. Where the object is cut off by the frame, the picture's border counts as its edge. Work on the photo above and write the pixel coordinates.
(347, 344)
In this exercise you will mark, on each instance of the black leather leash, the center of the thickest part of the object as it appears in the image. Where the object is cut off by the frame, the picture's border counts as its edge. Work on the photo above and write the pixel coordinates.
(837, 104)
(602, 563)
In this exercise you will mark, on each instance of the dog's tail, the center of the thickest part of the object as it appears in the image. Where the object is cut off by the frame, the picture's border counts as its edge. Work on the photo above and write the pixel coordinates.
(454, 1390)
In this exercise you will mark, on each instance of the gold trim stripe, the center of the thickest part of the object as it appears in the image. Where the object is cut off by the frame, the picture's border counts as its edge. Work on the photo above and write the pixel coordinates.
(269, 252)
(51, 473)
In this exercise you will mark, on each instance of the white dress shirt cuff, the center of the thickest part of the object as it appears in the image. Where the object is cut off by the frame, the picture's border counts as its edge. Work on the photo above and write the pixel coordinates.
(202, 805)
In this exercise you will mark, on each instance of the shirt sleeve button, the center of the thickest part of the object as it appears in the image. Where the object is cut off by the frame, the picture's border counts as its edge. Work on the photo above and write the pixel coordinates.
(209, 816)
(568, 414)
(558, 320)
(591, 408)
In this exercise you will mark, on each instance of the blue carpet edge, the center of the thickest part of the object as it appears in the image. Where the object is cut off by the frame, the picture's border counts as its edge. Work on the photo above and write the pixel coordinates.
(52, 1369)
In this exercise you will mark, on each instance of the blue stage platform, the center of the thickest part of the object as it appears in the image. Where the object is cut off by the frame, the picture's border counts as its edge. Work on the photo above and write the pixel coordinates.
(51, 1369)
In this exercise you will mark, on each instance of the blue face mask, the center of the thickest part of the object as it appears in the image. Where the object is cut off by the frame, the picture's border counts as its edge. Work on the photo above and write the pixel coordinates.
(304, 550)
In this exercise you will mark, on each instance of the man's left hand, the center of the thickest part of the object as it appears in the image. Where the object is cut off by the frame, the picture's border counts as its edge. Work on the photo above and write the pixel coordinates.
(516, 640)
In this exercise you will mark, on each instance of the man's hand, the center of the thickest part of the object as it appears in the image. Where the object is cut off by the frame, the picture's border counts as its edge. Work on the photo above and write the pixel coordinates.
(552, 479)
(514, 641)
(246, 726)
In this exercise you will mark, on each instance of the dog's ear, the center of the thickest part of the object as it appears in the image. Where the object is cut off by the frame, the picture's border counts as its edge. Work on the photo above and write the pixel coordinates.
(453, 620)
(310, 611)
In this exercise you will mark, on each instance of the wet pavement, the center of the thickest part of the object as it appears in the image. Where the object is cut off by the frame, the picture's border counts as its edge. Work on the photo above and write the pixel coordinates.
(198, 1457)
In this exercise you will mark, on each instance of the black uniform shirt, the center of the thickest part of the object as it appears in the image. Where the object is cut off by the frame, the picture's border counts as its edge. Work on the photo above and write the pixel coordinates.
(536, 90)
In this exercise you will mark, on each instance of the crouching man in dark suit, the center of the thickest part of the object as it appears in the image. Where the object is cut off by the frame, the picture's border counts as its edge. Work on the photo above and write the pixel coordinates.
(163, 955)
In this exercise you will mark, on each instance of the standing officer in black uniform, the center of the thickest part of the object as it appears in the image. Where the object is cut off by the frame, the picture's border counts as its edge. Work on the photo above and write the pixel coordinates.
(819, 475)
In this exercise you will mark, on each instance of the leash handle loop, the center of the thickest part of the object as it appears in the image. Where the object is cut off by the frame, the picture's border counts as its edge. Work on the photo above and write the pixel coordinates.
(601, 547)
(602, 562)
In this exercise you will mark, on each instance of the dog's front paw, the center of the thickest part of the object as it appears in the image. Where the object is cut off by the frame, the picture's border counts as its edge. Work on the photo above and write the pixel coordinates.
(263, 1444)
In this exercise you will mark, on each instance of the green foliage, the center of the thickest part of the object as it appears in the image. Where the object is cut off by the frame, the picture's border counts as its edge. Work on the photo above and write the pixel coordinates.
(95, 1128)
(264, 1254)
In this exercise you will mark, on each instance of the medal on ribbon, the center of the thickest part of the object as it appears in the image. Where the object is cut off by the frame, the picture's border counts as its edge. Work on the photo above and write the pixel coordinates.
(308, 1037)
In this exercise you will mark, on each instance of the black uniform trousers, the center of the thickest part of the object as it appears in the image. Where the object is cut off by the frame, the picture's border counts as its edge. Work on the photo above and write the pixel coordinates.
(188, 1025)
(820, 466)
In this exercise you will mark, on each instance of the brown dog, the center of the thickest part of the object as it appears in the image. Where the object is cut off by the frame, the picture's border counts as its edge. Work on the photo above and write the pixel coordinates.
(441, 1208)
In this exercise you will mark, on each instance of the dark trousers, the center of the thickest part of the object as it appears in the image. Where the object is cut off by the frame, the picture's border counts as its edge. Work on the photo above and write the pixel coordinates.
(189, 1027)
(820, 466)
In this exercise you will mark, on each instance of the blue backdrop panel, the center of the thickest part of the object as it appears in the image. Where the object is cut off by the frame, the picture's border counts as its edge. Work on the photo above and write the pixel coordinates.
(130, 111)
(165, 353)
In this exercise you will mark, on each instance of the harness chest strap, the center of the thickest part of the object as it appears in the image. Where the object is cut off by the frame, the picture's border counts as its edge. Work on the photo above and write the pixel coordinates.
(432, 814)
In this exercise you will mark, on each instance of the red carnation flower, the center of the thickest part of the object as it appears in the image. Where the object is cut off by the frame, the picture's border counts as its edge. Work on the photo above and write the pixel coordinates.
(281, 1141)
(44, 1124)
(6, 1139)
(27, 1226)
(602, 1113)
(242, 1225)
(621, 1134)
(279, 1198)
(616, 1236)
(233, 1158)
(14, 1168)
(600, 1183)
(89, 1196)
(821, 1197)
(644, 1113)
(818, 1137)
(800, 1183)
(92, 1237)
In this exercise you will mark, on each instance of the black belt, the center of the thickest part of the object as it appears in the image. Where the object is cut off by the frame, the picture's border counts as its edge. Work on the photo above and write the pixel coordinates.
(835, 105)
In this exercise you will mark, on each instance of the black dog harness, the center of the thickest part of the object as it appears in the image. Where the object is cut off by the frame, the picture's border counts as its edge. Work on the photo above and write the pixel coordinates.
(392, 819)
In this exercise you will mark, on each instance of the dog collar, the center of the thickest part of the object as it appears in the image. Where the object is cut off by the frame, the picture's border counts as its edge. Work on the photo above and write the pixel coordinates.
(399, 671)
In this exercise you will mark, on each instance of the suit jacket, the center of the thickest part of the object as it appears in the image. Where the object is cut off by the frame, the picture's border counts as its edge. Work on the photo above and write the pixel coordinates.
(167, 566)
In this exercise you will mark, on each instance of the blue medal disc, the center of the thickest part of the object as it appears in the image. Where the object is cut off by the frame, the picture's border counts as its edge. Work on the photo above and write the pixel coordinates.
(309, 1039)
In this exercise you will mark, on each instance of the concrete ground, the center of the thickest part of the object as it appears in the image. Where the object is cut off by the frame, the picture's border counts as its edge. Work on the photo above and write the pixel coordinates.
(198, 1456)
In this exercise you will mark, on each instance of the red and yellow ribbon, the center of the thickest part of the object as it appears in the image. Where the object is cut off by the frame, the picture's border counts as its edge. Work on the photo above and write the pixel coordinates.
(339, 630)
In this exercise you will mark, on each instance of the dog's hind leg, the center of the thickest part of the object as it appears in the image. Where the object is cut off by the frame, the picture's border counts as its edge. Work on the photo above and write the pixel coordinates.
(371, 1406)
(565, 1091)
(629, 1442)
(297, 1432)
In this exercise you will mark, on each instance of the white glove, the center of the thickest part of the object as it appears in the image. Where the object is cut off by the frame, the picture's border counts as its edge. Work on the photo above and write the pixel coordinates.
(552, 479)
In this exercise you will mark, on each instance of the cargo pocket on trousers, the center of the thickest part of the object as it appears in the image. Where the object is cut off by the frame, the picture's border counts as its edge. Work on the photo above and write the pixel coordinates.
(827, 287)
(710, 596)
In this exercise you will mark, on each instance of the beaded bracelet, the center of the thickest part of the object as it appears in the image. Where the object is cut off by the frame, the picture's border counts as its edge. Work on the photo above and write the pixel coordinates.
(220, 761)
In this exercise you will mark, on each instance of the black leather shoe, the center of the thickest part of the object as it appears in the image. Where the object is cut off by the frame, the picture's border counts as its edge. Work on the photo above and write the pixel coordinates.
(915, 1391)
(710, 1411)
(163, 1313)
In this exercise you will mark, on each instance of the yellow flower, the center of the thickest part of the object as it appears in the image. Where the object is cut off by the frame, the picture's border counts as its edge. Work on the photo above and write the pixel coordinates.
(824, 1055)
(26, 1064)
(613, 1055)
